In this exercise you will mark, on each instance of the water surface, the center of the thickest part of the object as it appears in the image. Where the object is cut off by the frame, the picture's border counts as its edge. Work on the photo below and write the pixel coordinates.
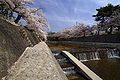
(108, 68)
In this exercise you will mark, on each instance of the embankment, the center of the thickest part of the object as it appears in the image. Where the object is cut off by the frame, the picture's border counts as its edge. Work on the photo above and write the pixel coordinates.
(109, 38)
(13, 41)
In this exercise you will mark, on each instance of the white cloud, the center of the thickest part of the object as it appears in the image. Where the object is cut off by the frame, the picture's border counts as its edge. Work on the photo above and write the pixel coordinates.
(67, 12)
(62, 18)
(105, 2)
(48, 2)
(68, 19)
(81, 10)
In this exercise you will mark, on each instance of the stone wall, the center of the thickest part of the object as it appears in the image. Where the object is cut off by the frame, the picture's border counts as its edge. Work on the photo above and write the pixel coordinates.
(36, 63)
(13, 41)
(110, 38)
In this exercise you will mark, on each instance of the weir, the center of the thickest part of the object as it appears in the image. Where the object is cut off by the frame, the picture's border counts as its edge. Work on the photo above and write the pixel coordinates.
(98, 54)
(72, 70)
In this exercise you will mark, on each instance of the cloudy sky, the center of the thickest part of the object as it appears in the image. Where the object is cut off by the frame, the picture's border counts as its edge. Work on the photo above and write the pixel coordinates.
(65, 13)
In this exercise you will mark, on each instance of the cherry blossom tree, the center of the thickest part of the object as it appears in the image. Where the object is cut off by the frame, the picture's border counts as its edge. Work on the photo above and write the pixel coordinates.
(114, 21)
(94, 29)
(5, 12)
(70, 32)
(91, 30)
(85, 30)
(34, 17)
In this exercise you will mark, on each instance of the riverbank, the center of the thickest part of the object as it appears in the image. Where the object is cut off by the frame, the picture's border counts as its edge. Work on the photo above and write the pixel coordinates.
(105, 38)
(88, 44)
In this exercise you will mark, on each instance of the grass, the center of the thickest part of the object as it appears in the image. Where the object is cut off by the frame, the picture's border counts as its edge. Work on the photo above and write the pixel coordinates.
(2, 49)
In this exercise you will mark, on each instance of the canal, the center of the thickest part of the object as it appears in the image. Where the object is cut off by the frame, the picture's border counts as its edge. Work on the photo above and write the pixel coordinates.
(105, 62)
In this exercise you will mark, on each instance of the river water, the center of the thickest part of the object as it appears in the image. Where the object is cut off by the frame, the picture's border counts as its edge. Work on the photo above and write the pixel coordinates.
(104, 62)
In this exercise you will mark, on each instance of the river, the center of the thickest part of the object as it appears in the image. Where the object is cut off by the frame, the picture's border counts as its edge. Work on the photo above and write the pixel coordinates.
(105, 62)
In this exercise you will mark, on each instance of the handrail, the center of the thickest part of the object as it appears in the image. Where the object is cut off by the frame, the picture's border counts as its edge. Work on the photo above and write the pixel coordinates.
(84, 69)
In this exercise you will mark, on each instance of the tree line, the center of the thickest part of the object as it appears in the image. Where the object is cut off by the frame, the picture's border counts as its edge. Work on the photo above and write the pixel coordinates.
(107, 21)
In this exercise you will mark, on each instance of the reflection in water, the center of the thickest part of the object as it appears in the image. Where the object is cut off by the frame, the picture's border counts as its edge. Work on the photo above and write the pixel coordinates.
(108, 69)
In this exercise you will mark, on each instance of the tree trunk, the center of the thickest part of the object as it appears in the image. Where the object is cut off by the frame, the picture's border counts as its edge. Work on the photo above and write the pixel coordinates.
(91, 33)
(111, 29)
(98, 32)
(84, 34)
(18, 18)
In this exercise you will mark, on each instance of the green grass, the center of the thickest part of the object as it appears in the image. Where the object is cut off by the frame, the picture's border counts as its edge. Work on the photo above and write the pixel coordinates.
(1, 49)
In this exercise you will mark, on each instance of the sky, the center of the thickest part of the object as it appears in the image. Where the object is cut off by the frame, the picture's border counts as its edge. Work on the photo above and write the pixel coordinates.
(65, 13)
